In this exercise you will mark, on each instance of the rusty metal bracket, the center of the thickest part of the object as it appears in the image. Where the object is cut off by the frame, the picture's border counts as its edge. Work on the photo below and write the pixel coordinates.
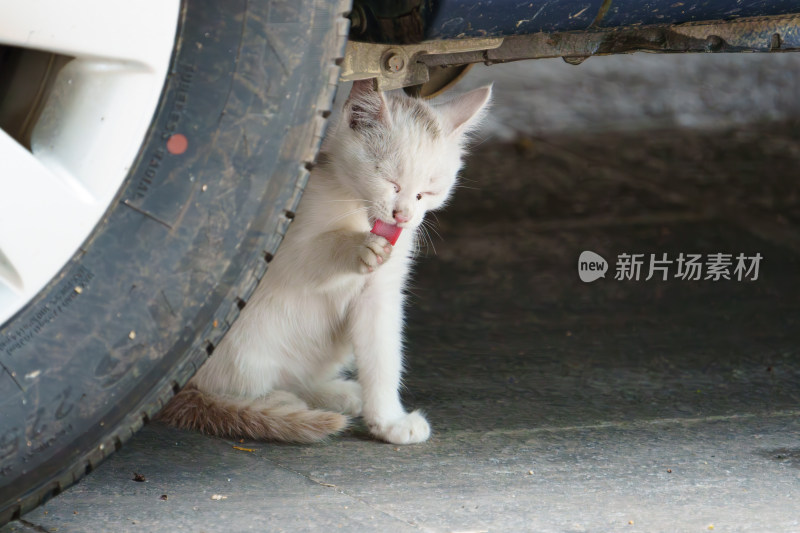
(401, 66)
(759, 34)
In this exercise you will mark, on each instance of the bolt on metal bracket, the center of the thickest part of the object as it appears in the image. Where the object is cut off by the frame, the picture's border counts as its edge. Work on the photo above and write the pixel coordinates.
(396, 66)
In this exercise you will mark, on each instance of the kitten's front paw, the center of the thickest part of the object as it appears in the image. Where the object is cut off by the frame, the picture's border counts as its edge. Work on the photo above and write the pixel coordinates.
(375, 252)
(409, 429)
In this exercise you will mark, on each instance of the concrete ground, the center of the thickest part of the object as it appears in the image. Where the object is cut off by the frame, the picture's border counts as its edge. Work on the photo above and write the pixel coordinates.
(557, 405)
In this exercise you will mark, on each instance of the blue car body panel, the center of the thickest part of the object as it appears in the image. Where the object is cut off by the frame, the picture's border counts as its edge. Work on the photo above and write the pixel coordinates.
(495, 18)
(449, 19)
(630, 12)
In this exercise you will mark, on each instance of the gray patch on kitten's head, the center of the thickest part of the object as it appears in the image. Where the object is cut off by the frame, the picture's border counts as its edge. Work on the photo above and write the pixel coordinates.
(420, 113)
(366, 108)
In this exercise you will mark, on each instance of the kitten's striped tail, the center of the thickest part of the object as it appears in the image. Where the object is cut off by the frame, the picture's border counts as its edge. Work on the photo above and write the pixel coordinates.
(278, 417)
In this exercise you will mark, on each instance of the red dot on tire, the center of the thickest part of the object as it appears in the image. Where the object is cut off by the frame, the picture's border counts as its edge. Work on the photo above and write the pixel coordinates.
(177, 144)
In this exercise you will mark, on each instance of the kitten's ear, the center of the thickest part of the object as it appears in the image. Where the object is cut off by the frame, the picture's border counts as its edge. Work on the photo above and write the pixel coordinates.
(366, 107)
(463, 113)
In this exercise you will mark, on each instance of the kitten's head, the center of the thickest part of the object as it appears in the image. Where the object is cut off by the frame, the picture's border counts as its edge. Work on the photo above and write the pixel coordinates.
(401, 155)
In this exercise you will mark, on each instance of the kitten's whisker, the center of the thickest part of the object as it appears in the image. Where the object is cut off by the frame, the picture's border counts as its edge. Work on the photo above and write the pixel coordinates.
(422, 241)
(474, 145)
(433, 229)
(430, 241)
(347, 214)
(417, 249)
(353, 200)
(428, 238)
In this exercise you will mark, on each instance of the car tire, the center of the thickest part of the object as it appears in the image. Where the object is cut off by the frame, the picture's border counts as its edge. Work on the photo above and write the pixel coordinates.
(159, 281)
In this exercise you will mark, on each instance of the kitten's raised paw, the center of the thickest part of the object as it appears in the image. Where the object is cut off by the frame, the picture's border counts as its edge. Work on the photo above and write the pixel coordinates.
(410, 429)
(375, 252)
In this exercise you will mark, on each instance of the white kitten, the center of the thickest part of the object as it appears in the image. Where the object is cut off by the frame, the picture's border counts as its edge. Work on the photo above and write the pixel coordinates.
(334, 291)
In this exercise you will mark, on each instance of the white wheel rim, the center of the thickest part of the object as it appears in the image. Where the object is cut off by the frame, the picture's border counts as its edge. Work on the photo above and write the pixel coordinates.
(88, 134)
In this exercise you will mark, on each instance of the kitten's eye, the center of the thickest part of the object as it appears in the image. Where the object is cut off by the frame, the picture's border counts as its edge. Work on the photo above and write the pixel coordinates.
(419, 196)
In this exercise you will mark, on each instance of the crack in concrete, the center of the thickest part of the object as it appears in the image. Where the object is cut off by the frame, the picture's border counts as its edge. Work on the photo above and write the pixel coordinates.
(636, 424)
(34, 527)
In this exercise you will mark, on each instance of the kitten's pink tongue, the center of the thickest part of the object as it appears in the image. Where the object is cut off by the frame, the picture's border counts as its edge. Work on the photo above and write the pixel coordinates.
(390, 232)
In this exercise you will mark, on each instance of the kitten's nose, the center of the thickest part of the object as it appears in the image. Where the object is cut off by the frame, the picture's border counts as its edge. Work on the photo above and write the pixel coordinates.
(400, 217)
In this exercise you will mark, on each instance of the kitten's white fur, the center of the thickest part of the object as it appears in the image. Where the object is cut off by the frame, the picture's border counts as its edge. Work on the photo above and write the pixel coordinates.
(334, 291)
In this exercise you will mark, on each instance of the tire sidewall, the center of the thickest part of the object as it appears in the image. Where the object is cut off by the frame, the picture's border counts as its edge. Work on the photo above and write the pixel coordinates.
(153, 289)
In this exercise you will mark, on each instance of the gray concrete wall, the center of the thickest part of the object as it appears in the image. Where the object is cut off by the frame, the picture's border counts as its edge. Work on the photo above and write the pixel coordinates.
(638, 92)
